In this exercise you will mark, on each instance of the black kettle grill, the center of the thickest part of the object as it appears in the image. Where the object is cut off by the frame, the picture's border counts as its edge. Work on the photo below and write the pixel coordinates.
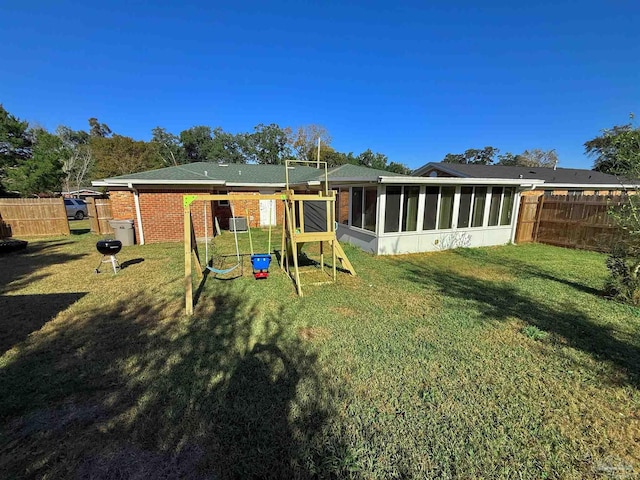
(109, 248)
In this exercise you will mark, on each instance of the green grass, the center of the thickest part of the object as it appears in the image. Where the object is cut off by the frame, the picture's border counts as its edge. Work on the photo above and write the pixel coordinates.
(476, 363)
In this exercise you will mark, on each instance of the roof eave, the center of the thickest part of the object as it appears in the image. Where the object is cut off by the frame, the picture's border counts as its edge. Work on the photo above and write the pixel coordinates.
(129, 181)
(592, 186)
(460, 181)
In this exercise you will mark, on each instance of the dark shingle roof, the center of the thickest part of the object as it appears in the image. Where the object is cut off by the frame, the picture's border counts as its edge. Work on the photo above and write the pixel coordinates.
(549, 175)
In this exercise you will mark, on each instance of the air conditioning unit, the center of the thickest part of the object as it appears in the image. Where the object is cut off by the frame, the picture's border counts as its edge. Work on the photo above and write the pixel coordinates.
(238, 224)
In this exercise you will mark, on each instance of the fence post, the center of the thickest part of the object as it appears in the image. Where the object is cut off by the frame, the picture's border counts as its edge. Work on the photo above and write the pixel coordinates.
(93, 215)
(63, 209)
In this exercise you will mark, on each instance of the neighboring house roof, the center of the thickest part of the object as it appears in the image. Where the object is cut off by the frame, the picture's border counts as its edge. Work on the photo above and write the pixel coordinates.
(89, 190)
(239, 174)
(566, 177)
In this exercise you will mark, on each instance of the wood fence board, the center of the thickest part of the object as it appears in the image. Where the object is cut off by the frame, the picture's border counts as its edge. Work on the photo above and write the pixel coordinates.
(34, 216)
(571, 221)
(99, 215)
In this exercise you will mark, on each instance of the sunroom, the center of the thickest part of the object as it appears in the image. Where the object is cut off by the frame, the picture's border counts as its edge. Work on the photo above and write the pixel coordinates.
(419, 214)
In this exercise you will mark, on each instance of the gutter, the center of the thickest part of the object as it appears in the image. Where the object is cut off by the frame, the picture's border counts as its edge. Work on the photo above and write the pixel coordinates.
(127, 182)
(136, 201)
(592, 186)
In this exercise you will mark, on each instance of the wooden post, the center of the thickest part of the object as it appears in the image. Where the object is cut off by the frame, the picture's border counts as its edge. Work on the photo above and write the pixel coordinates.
(188, 286)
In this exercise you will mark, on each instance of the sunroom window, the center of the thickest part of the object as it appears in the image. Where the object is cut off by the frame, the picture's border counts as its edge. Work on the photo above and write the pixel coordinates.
(430, 208)
(392, 209)
(479, 200)
(464, 211)
(363, 207)
(370, 202)
(356, 206)
(410, 209)
(501, 207)
(446, 207)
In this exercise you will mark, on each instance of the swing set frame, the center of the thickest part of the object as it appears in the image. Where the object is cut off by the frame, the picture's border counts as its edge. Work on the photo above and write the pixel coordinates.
(294, 235)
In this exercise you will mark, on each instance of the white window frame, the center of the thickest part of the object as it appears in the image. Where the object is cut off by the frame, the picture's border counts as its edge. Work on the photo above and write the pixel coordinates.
(377, 216)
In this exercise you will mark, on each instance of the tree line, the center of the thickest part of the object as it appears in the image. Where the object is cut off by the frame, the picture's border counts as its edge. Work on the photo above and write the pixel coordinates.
(36, 161)
(492, 156)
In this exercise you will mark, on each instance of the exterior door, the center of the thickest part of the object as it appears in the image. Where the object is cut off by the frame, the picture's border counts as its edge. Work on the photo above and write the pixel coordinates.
(267, 213)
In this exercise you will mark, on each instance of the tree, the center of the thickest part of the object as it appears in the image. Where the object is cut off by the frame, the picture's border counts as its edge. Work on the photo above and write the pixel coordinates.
(529, 158)
(168, 147)
(305, 141)
(196, 142)
(97, 129)
(454, 158)
(42, 172)
(78, 162)
(268, 144)
(473, 156)
(537, 158)
(227, 147)
(120, 155)
(398, 168)
(616, 151)
(15, 144)
(372, 160)
(335, 158)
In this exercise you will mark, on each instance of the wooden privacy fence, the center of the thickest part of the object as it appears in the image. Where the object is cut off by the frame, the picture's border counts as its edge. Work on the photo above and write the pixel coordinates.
(34, 216)
(526, 219)
(99, 214)
(581, 222)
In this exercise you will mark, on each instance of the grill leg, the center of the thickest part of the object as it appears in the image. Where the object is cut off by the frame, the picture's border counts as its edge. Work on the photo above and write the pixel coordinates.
(114, 263)
(98, 267)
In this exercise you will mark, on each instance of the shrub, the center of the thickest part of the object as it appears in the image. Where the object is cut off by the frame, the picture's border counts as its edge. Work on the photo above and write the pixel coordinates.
(624, 274)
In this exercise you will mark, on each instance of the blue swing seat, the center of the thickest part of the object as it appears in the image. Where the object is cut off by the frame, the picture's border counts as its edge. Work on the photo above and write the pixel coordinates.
(260, 263)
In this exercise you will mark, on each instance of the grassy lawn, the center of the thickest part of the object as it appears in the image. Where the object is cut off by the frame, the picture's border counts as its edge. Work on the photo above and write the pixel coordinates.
(485, 363)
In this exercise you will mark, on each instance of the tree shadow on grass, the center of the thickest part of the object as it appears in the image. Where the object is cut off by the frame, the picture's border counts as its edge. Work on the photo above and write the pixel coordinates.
(500, 301)
(23, 314)
(523, 269)
(21, 268)
(137, 390)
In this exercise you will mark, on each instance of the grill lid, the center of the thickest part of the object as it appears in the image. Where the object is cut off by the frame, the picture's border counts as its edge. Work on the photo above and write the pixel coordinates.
(109, 247)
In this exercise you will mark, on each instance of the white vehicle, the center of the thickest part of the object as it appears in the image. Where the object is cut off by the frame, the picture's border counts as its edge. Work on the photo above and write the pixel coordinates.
(76, 208)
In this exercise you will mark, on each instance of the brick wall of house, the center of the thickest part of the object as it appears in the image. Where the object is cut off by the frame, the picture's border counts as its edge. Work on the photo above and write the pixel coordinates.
(163, 217)
(123, 207)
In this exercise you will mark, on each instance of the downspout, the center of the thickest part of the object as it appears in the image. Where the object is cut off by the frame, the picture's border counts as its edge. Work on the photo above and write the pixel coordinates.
(136, 200)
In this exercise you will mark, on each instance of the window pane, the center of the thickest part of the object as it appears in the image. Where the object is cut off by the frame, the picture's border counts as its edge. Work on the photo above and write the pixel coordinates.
(478, 206)
(507, 207)
(465, 207)
(410, 210)
(356, 206)
(446, 207)
(494, 208)
(392, 209)
(370, 199)
(430, 208)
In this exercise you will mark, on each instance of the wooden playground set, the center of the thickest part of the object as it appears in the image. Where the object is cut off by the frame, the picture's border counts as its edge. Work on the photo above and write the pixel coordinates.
(308, 218)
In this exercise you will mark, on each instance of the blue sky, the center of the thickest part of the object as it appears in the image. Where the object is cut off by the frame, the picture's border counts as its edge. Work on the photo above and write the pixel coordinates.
(413, 80)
